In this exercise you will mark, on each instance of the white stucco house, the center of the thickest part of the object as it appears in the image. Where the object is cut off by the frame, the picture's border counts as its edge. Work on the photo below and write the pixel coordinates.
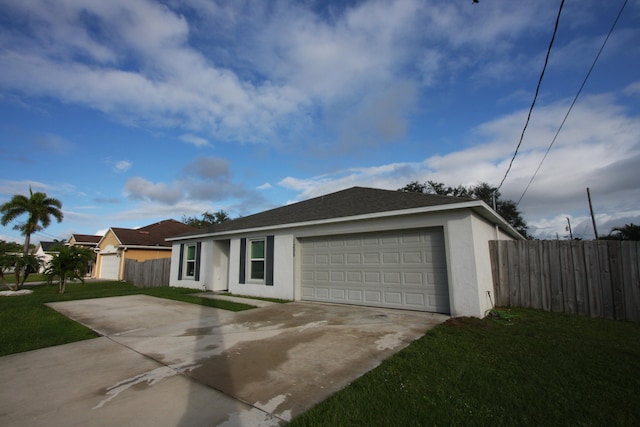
(360, 246)
(45, 253)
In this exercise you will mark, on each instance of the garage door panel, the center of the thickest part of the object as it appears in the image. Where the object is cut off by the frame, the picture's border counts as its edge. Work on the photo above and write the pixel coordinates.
(109, 267)
(401, 270)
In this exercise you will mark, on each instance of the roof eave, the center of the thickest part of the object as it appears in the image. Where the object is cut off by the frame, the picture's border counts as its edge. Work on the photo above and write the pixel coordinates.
(476, 205)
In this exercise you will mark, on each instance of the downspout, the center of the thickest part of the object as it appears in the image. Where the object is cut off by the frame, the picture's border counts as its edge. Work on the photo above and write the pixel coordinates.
(121, 265)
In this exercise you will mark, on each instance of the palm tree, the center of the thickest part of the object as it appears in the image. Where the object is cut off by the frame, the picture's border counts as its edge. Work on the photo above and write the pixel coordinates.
(40, 209)
(628, 232)
(69, 264)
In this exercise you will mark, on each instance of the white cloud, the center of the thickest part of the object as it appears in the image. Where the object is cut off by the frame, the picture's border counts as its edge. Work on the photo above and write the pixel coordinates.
(138, 188)
(264, 186)
(205, 180)
(253, 72)
(599, 147)
(122, 166)
(195, 140)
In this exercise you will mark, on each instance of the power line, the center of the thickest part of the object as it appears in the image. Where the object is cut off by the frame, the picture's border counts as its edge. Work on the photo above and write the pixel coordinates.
(584, 82)
(535, 97)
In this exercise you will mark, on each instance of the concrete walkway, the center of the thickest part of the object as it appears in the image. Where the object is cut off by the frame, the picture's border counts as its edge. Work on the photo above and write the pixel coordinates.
(168, 363)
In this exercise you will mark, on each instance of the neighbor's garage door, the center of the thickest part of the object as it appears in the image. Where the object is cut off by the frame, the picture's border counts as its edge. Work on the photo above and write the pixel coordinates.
(396, 270)
(109, 267)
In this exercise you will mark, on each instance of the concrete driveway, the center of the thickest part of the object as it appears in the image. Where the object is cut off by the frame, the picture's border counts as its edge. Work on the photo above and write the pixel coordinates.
(168, 363)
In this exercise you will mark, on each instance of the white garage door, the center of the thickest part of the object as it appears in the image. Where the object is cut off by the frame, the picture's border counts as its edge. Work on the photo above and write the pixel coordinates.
(397, 270)
(109, 267)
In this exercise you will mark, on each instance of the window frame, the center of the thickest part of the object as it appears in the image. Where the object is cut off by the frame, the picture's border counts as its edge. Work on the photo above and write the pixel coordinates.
(188, 262)
(251, 260)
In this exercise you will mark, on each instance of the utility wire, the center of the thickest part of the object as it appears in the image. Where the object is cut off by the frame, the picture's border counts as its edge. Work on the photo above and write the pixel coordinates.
(535, 97)
(584, 82)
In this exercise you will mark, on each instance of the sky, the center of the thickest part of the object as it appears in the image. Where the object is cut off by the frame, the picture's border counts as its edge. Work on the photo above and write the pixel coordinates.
(132, 112)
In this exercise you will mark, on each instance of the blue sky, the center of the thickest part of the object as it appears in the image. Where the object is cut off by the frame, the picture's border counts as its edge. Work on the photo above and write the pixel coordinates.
(135, 112)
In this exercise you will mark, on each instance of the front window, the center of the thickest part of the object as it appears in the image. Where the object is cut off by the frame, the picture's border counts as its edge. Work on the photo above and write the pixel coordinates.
(190, 261)
(256, 256)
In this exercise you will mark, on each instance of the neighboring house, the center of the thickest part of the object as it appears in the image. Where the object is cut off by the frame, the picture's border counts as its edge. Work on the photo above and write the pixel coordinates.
(359, 246)
(141, 244)
(45, 252)
(86, 241)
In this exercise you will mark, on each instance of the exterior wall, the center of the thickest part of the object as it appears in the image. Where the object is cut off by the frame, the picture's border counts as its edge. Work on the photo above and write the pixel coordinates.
(213, 266)
(146, 254)
(108, 244)
(189, 282)
(483, 232)
(283, 269)
(45, 259)
(469, 265)
(466, 245)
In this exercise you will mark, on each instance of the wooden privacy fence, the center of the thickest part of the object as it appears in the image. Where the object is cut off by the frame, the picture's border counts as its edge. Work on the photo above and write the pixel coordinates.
(594, 278)
(148, 274)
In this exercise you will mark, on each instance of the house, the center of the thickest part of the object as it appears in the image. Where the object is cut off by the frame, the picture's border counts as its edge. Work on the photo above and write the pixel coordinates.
(45, 252)
(86, 241)
(359, 246)
(140, 244)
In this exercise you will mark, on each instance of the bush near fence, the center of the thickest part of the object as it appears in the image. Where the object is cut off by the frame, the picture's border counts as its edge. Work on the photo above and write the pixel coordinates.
(595, 278)
(148, 274)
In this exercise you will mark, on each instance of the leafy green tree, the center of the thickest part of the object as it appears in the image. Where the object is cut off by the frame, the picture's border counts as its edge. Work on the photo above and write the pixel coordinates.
(207, 219)
(19, 265)
(482, 191)
(628, 232)
(39, 208)
(70, 263)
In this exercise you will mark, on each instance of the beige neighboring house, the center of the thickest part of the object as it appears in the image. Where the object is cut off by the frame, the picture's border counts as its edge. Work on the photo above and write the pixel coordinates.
(141, 244)
(88, 241)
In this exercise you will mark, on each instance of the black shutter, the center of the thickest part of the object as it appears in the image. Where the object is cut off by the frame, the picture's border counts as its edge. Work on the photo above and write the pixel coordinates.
(181, 261)
(197, 273)
(243, 260)
(269, 262)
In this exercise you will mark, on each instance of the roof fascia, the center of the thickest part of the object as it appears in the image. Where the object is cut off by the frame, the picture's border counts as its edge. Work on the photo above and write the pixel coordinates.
(110, 230)
(144, 247)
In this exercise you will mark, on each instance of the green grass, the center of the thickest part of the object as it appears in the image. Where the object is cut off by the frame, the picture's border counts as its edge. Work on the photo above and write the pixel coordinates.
(31, 278)
(533, 369)
(27, 324)
(276, 300)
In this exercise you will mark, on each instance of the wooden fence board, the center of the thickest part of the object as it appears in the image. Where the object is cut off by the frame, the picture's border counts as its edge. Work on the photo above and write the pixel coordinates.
(524, 292)
(630, 281)
(545, 276)
(593, 278)
(148, 274)
(605, 280)
(568, 283)
(579, 272)
(636, 282)
(533, 258)
(557, 299)
(504, 275)
(513, 273)
(616, 281)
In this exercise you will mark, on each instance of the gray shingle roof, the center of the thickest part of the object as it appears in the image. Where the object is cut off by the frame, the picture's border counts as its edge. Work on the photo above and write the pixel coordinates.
(350, 202)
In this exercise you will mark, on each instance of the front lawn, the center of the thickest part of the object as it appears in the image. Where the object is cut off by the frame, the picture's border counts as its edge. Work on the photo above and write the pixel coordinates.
(27, 324)
(534, 369)
(31, 278)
